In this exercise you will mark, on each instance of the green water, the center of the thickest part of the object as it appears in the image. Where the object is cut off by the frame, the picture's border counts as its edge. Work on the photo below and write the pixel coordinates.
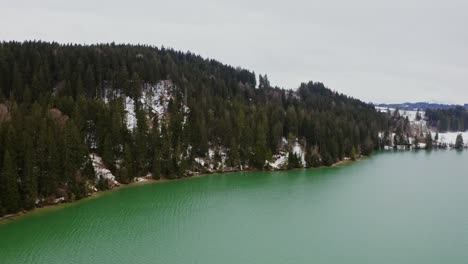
(404, 207)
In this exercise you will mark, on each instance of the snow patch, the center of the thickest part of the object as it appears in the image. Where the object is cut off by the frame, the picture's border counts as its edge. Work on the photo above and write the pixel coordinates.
(101, 171)
(411, 114)
(211, 153)
(154, 99)
(200, 161)
(141, 179)
(130, 110)
(59, 200)
(279, 160)
(297, 149)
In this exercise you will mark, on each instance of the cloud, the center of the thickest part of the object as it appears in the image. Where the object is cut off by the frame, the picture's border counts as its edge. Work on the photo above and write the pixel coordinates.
(380, 51)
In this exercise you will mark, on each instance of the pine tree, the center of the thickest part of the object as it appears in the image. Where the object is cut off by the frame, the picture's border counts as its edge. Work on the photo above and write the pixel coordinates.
(291, 120)
(141, 141)
(30, 177)
(353, 153)
(429, 141)
(107, 151)
(156, 168)
(418, 115)
(74, 157)
(74, 151)
(166, 152)
(233, 154)
(459, 142)
(416, 142)
(17, 82)
(127, 170)
(9, 183)
(294, 161)
(260, 149)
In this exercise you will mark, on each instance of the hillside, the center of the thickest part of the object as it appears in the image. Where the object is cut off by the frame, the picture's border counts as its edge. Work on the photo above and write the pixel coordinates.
(418, 129)
(75, 119)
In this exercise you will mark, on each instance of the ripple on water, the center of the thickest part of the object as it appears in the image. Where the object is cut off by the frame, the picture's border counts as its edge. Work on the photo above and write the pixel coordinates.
(404, 207)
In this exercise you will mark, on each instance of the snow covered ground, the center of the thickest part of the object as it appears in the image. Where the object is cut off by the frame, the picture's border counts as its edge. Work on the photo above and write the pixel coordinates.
(450, 137)
(411, 114)
(279, 160)
(154, 99)
(297, 149)
(101, 170)
(130, 110)
(210, 160)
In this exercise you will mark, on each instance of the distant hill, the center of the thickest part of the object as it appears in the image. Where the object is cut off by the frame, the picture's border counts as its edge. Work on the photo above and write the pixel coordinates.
(420, 105)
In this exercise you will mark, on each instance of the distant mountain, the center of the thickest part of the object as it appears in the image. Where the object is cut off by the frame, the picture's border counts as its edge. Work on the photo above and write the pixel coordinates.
(420, 105)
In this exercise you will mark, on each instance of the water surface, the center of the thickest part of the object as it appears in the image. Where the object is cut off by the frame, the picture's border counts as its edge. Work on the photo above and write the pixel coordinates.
(403, 207)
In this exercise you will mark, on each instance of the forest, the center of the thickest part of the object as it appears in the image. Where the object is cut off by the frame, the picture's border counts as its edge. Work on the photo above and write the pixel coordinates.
(448, 120)
(62, 103)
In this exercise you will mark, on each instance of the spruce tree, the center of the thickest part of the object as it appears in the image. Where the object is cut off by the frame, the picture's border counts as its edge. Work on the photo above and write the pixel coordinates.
(429, 141)
(74, 150)
(30, 177)
(9, 183)
(127, 170)
(260, 148)
(353, 153)
(141, 141)
(459, 142)
(233, 153)
(107, 151)
(74, 157)
(156, 166)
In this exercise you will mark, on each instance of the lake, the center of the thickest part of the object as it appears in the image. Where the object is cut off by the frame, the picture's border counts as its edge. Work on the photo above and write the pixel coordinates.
(395, 207)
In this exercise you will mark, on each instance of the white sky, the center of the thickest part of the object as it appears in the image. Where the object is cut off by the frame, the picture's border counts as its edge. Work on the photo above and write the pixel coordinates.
(379, 51)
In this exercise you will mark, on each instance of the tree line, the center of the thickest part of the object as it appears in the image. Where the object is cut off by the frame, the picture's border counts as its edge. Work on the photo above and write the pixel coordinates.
(452, 120)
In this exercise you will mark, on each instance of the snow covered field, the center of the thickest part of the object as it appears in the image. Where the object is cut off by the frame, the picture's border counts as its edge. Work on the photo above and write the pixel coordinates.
(450, 137)
(411, 114)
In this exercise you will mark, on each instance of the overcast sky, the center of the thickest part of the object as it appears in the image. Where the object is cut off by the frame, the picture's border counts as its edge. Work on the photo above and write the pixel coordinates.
(378, 51)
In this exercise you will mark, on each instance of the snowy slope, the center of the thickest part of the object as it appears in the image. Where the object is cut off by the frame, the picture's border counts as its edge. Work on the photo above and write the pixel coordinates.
(130, 110)
(101, 170)
(411, 114)
(279, 160)
(297, 149)
(154, 99)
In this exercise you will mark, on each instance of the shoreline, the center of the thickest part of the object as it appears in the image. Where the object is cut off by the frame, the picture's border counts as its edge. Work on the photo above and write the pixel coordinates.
(38, 210)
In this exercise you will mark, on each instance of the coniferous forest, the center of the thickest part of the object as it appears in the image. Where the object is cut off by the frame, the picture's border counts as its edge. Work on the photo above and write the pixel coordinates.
(452, 119)
(62, 104)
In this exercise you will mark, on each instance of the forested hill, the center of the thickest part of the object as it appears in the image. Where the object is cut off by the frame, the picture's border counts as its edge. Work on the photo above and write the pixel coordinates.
(74, 118)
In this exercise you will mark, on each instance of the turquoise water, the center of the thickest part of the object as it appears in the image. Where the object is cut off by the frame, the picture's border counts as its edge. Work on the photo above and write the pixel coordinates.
(396, 207)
